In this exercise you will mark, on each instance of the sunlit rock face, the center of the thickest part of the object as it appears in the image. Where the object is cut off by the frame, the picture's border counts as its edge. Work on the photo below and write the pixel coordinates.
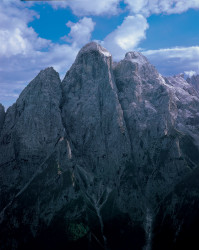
(159, 114)
(194, 81)
(96, 161)
(92, 114)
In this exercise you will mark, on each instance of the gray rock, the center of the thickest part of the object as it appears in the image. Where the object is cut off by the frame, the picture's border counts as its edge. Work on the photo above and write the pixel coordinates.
(94, 122)
(32, 126)
(91, 111)
(2, 116)
(157, 123)
(194, 80)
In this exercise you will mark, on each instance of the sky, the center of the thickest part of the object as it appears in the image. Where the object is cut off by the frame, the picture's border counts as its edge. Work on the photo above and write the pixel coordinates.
(37, 34)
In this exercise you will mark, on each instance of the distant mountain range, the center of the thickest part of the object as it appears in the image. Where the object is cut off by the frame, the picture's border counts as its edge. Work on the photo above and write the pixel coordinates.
(106, 159)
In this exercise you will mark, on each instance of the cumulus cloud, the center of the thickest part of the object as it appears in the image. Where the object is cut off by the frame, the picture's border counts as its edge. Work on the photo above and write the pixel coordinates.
(89, 7)
(80, 33)
(148, 7)
(127, 36)
(144, 7)
(23, 53)
(172, 61)
(15, 36)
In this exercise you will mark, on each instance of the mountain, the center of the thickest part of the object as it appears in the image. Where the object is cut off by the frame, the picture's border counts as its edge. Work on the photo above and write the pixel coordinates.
(194, 80)
(101, 159)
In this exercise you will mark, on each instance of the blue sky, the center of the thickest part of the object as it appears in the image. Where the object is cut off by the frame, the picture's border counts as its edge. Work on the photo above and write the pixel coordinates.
(35, 35)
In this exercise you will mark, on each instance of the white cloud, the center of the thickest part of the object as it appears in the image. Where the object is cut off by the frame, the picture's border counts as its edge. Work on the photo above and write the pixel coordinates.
(110, 7)
(89, 7)
(190, 73)
(15, 35)
(127, 36)
(23, 53)
(137, 6)
(80, 33)
(20, 41)
(145, 7)
(172, 61)
(148, 7)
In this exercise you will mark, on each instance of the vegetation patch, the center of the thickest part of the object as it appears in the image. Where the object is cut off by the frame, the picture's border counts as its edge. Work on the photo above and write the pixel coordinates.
(77, 231)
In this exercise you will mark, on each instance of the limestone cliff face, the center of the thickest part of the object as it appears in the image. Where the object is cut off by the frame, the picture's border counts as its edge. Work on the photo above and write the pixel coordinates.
(194, 81)
(158, 113)
(91, 111)
(90, 162)
(31, 128)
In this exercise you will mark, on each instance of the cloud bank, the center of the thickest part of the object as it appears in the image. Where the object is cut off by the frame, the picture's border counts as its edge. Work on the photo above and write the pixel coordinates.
(111, 7)
(175, 60)
(89, 7)
(149, 7)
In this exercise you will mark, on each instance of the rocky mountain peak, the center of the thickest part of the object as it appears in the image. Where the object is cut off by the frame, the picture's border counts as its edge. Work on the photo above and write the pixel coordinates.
(47, 76)
(136, 65)
(91, 107)
(94, 47)
(136, 57)
(90, 64)
(46, 83)
(48, 71)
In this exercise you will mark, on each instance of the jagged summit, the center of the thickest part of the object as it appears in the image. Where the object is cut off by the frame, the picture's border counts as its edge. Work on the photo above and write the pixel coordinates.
(136, 57)
(136, 64)
(93, 46)
(48, 72)
(43, 82)
(91, 63)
